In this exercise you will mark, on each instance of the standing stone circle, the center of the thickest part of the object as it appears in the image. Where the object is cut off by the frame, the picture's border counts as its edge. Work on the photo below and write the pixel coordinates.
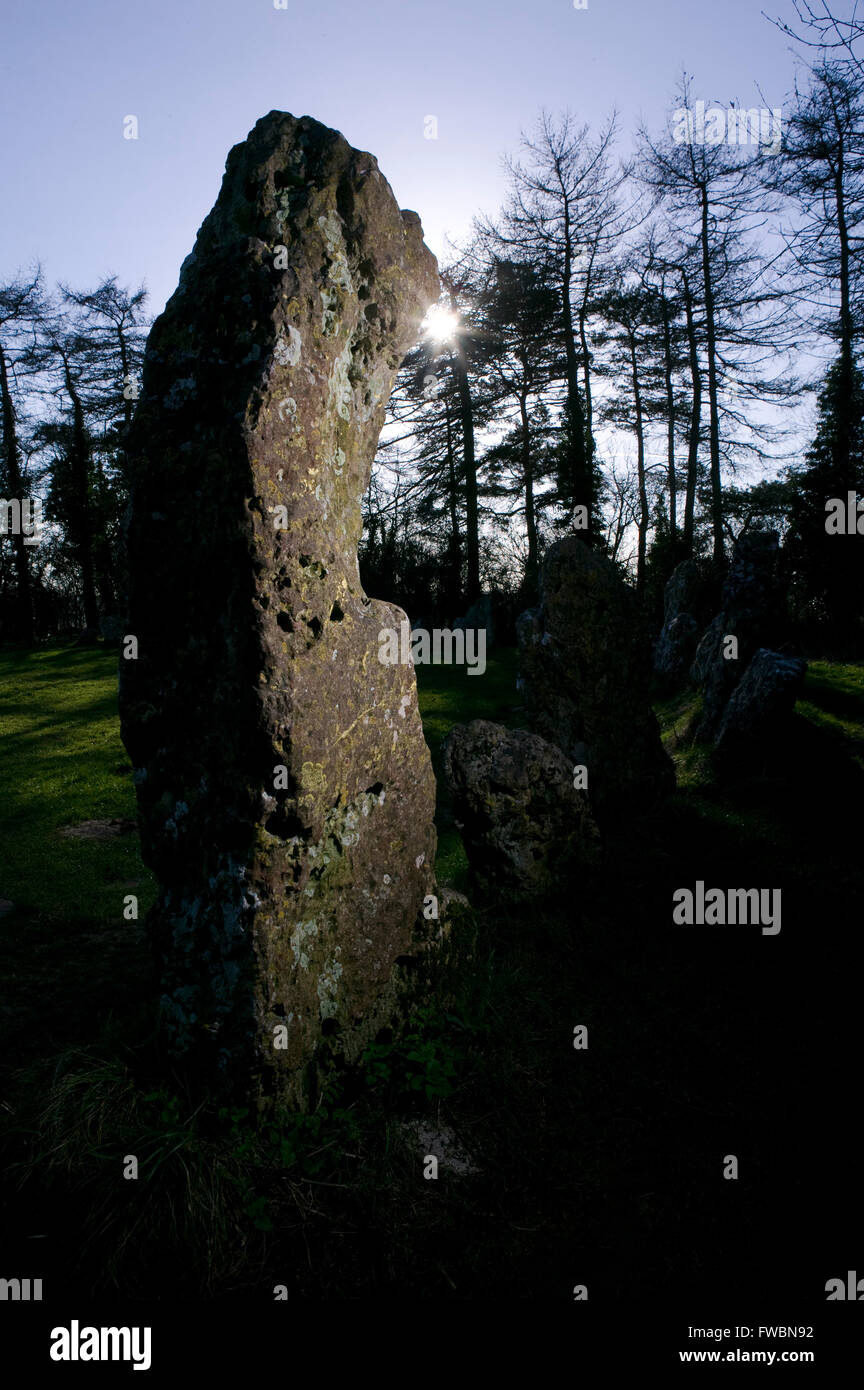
(285, 791)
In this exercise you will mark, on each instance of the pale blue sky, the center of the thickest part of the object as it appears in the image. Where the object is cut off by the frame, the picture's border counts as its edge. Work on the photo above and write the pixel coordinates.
(199, 73)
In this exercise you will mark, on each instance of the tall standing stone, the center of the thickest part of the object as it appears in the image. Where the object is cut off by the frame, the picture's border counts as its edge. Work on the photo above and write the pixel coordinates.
(285, 792)
(585, 675)
(751, 608)
(685, 600)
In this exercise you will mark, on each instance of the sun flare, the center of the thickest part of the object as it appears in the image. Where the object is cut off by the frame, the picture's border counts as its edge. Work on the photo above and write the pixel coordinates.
(440, 324)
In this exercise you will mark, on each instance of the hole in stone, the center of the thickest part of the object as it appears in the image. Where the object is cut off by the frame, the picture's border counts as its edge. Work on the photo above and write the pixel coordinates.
(376, 789)
(315, 626)
(371, 311)
(279, 1010)
(284, 621)
(345, 201)
(306, 562)
(284, 825)
(283, 178)
(336, 614)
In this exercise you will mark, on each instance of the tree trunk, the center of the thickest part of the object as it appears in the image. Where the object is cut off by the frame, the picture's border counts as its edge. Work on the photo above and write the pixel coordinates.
(846, 480)
(695, 421)
(455, 583)
(640, 466)
(714, 416)
(532, 564)
(472, 522)
(80, 456)
(580, 480)
(671, 480)
(23, 621)
(586, 362)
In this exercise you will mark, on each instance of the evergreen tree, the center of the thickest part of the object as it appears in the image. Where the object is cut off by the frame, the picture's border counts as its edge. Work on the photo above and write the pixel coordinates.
(827, 570)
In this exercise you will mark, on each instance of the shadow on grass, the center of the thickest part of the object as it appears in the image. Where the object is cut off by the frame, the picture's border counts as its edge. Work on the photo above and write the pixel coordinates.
(601, 1165)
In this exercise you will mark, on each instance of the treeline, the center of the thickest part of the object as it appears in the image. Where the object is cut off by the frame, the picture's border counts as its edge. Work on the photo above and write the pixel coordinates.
(70, 366)
(674, 304)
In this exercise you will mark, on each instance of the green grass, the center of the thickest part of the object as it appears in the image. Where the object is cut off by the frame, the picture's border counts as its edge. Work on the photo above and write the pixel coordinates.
(833, 700)
(77, 979)
(63, 763)
(448, 695)
(600, 1154)
(756, 809)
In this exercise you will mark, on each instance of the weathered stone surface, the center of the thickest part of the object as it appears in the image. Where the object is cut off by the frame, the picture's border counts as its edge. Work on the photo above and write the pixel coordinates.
(585, 675)
(523, 824)
(285, 791)
(750, 612)
(675, 649)
(691, 589)
(686, 608)
(761, 704)
(481, 615)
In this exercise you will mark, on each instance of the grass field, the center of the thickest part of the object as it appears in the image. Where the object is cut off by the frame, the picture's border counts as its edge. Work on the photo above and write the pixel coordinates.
(64, 763)
(591, 1161)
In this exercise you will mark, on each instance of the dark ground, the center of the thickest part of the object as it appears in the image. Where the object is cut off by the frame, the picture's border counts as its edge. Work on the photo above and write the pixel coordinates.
(601, 1167)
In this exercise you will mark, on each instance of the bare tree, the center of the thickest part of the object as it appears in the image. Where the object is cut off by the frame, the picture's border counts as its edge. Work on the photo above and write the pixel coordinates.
(563, 214)
(713, 194)
(822, 29)
(21, 305)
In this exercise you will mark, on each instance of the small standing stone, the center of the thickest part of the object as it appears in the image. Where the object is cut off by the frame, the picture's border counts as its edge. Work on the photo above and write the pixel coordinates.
(524, 824)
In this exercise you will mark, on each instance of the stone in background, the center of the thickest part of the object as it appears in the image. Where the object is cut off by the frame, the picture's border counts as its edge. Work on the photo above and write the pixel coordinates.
(585, 679)
(751, 611)
(524, 826)
(758, 713)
